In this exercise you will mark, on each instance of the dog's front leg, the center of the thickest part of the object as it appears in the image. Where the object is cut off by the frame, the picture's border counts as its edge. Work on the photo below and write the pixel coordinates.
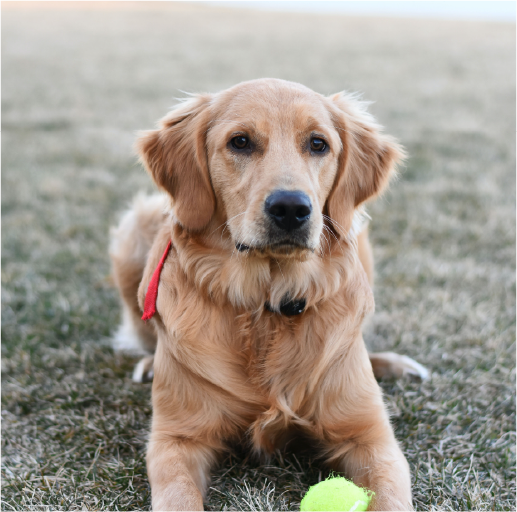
(185, 435)
(354, 426)
(380, 467)
(178, 472)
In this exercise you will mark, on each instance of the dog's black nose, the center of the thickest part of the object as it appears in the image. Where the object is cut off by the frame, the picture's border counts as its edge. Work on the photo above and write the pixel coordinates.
(289, 209)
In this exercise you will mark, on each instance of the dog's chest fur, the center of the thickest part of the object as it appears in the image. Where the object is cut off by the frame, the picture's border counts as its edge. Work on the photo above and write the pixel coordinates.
(271, 363)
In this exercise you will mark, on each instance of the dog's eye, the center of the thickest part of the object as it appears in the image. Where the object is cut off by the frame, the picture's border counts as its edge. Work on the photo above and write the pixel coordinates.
(318, 145)
(240, 142)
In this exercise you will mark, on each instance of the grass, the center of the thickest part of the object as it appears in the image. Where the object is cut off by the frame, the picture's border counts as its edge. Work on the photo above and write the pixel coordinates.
(79, 80)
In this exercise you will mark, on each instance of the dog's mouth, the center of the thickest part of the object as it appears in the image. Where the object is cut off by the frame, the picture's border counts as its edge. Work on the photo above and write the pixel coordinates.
(276, 249)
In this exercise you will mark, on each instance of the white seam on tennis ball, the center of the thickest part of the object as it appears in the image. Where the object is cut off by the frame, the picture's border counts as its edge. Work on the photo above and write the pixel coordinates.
(357, 504)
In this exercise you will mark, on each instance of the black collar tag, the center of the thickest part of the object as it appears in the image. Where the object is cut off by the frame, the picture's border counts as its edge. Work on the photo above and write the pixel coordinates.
(289, 307)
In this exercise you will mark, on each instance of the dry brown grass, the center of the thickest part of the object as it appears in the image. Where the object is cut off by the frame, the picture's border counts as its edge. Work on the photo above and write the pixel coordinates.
(77, 84)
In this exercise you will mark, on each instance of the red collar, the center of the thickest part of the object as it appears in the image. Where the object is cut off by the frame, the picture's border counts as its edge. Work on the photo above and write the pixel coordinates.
(287, 307)
(152, 289)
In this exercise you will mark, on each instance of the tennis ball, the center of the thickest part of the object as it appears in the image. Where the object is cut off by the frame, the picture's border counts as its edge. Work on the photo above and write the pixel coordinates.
(336, 494)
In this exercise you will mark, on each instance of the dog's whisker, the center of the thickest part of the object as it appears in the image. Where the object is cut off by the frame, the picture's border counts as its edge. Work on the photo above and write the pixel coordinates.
(321, 247)
(326, 240)
(336, 225)
(329, 231)
(338, 242)
(225, 223)
(329, 242)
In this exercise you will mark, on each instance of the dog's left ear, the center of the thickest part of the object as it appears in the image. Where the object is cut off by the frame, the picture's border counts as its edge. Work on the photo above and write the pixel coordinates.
(367, 161)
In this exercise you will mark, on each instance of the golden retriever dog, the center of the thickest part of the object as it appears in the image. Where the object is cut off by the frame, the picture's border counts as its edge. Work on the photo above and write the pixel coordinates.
(254, 271)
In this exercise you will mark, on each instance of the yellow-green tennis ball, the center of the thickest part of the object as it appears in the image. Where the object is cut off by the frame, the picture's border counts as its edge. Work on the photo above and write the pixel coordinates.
(336, 494)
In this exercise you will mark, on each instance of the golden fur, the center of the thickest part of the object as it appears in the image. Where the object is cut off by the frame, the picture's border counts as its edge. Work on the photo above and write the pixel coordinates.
(225, 366)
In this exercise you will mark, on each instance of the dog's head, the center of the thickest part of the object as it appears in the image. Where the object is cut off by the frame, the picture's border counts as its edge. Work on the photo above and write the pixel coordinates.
(272, 160)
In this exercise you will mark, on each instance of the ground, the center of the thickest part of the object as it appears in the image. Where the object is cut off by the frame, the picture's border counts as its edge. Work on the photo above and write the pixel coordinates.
(80, 79)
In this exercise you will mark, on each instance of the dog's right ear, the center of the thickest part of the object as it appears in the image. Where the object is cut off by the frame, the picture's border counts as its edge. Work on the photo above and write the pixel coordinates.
(367, 161)
(175, 156)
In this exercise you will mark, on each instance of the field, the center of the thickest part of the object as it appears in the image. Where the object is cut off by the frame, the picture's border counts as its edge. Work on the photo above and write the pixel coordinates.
(78, 82)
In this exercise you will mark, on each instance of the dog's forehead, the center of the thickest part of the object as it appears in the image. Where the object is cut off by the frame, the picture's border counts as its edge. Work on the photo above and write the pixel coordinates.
(270, 104)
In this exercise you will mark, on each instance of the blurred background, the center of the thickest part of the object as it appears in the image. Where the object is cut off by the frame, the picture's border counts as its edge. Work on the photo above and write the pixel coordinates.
(459, 10)
(79, 79)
